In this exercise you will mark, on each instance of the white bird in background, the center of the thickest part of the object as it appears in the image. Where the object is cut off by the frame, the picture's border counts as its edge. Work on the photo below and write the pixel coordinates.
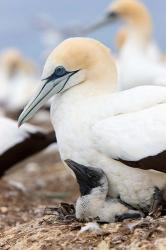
(52, 35)
(18, 77)
(97, 126)
(17, 144)
(139, 58)
(94, 202)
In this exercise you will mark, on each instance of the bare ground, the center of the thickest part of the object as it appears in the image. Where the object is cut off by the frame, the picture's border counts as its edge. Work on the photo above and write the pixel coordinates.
(41, 182)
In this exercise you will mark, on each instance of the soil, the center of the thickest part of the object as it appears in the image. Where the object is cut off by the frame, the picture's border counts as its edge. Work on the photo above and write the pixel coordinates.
(28, 220)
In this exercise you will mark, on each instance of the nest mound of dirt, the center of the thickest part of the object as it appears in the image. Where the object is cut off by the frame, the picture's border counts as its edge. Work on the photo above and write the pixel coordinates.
(42, 182)
(48, 233)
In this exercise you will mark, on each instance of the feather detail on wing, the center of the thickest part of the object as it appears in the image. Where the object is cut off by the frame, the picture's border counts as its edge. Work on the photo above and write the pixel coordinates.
(132, 137)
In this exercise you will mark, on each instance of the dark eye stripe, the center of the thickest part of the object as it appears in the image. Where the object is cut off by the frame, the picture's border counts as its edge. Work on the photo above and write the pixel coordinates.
(55, 75)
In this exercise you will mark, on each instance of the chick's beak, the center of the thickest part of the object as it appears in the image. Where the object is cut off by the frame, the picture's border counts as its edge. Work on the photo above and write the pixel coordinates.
(81, 173)
(87, 177)
(78, 169)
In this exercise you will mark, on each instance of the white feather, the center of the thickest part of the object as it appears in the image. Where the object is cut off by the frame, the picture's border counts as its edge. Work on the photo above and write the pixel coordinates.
(136, 67)
(132, 136)
(11, 135)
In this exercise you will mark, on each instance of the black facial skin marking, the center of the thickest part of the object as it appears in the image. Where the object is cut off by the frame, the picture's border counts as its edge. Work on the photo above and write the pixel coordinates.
(60, 71)
(67, 80)
(55, 75)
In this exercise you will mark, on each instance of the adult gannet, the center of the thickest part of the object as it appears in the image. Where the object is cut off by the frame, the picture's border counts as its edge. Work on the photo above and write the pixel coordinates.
(97, 128)
(138, 45)
(93, 202)
(18, 144)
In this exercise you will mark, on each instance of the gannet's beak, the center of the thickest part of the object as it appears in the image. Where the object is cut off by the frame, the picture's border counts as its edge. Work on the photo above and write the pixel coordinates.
(51, 85)
(103, 21)
(87, 177)
(80, 170)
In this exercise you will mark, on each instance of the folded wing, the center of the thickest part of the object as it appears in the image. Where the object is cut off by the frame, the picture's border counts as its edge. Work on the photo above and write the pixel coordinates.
(136, 138)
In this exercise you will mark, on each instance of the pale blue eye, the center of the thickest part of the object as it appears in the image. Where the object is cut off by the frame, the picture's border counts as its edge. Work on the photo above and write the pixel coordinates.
(60, 71)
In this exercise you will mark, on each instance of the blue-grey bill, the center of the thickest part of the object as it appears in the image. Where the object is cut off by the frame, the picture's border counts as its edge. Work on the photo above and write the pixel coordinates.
(46, 91)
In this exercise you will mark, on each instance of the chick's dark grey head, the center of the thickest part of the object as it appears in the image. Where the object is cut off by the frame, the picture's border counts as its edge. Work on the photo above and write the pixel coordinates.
(87, 177)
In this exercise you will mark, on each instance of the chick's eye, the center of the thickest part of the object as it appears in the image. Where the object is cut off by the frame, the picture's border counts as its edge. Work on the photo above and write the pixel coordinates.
(60, 71)
(90, 175)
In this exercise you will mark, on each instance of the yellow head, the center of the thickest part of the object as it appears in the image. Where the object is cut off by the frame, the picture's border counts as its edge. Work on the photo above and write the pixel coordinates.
(14, 62)
(87, 55)
(133, 12)
(11, 60)
(76, 61)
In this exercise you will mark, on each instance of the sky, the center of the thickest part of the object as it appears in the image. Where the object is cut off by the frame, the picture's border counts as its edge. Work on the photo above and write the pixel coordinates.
(18, 20)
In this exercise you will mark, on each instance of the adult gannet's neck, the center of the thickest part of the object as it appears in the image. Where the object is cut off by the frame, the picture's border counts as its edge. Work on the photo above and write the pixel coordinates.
(81, 93)
(140, 37)
(91, 89)
(140, 29)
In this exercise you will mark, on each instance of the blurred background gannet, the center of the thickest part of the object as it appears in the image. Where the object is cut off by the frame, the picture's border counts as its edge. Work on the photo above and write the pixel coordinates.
(18, 144)
(139, 57)
(94, 202)
(18, 77)
(97, 126)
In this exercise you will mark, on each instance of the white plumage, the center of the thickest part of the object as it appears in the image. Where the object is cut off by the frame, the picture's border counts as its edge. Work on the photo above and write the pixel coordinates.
(84, 134)
(132, 136)
(11, 135)
(137, 68)
(95, 125)
(139, 59)
(17, 144)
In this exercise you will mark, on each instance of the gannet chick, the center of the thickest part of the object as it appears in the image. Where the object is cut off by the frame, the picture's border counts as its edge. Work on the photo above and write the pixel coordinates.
(139, 58)
(123, 133)
(93, 202)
